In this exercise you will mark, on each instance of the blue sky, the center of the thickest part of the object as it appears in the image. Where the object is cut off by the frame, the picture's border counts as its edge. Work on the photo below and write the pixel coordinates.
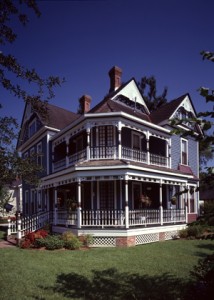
(82, 40)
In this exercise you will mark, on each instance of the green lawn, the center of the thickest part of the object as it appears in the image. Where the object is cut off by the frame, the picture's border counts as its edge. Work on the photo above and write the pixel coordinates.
(152, 271)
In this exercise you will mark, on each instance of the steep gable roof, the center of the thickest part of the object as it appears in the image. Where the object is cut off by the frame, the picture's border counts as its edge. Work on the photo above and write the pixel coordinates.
(166, 111)
(59, 117)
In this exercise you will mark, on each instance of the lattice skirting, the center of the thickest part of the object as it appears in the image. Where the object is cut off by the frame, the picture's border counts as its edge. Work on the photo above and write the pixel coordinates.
(104, 242)
(139, 239)
(146, 238)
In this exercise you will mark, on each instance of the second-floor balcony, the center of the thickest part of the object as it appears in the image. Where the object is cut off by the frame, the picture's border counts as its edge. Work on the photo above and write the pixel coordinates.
(110, 152)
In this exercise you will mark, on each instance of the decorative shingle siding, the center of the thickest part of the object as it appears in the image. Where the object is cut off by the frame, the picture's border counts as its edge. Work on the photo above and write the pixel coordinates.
(193, 156)
(176, 151)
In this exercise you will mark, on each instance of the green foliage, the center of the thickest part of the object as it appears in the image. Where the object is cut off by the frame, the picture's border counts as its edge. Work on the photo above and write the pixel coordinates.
(203, 274)
(73, 243)
(86, 239)
(13, 75)
(53, 242)
(67, 236)
(183, 234)
(5, 197)
(194, 231)
(148, 90)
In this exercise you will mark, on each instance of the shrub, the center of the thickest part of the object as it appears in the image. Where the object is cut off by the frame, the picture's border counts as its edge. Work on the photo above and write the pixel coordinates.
(40, 243)
(203, 274)
(195, 231)
(211, 221)
(73, 243)
(25, 244)
(86, 239)
(183, 233)
(67, 236)
(52, 242)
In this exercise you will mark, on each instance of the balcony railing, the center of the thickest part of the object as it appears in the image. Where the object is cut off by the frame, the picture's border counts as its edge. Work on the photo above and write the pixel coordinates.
(110, 152)
(104, 152)
(77, 157)
(158, 160)
(131, 154)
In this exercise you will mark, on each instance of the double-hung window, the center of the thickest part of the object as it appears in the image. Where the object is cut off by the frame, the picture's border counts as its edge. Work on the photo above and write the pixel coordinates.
(184, 152)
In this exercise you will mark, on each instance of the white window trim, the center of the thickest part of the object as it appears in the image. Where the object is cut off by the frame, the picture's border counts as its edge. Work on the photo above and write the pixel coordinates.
(187, 154)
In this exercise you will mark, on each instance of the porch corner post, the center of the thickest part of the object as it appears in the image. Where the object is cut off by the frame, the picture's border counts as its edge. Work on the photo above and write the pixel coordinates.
(79, 208)
(147, 147)
(186, 203)
(161, 205)
(55, 206)
(19, 233)
(88, 154)
(119, 141)
(126, 205)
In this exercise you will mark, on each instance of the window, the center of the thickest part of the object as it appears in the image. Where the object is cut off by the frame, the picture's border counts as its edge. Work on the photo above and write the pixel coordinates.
(184, 154)
(136, 141)
(39, 154)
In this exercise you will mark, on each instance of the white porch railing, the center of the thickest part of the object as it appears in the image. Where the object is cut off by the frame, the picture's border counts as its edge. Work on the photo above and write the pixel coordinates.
(77, 157)
(103, 218)
(28, 224)
(136, 155)
(173, 215)
(58, 165)
(66, 218)
(144, 217)
(104, 152)
(158, 160)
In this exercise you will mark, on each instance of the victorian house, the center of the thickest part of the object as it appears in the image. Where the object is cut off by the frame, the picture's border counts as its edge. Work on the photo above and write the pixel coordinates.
(115, 171)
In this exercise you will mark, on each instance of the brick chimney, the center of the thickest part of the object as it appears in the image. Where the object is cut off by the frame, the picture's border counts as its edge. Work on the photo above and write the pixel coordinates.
(85, 102)
(115, 78)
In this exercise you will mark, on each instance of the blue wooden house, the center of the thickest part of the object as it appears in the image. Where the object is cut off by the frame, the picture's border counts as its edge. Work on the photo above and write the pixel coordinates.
(115, 171)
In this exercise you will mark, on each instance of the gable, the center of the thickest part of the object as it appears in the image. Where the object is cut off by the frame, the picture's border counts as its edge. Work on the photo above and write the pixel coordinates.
(131, 91)
(185, 109)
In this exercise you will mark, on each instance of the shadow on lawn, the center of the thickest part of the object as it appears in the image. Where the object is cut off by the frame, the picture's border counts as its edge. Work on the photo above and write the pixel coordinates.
(110, 284)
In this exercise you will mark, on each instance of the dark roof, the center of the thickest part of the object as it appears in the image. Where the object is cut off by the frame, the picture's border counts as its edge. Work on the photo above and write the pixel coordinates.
(107, 106)
(165, 111)
(59, 117)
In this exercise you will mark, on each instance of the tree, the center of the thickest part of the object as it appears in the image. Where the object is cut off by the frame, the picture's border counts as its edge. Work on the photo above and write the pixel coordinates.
(12, 76)
(5, 197)
(148, 90)
(206, 138)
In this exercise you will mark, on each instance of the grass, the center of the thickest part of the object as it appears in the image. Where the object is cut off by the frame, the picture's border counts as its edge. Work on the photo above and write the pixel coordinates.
(152, 271)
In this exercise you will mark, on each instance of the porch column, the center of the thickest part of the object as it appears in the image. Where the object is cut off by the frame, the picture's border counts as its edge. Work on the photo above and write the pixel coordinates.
(67, 152)
(55, 206)
(79, 215)
(169, 153)
(186, 202)
(119, 141)
(126, 205)
(147, 147)
(88, 131)
(161, 204)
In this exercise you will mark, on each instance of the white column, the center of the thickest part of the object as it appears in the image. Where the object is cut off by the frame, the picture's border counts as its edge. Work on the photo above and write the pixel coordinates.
(19, 233)
(79, 215)
(88, 150)
(161, 204)
(186, 202)
(126, 205)
(119, 141)
(147, 148)
(67, 152)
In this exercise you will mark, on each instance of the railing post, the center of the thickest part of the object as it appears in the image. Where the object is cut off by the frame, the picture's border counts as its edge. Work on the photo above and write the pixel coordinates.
(161, 205)
(9, 227)
(19, 231)
(79, 213)
(126, 205)
(55, 206)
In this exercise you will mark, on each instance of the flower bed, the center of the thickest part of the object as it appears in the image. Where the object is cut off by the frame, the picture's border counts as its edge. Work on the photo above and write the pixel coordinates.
(41, 239)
